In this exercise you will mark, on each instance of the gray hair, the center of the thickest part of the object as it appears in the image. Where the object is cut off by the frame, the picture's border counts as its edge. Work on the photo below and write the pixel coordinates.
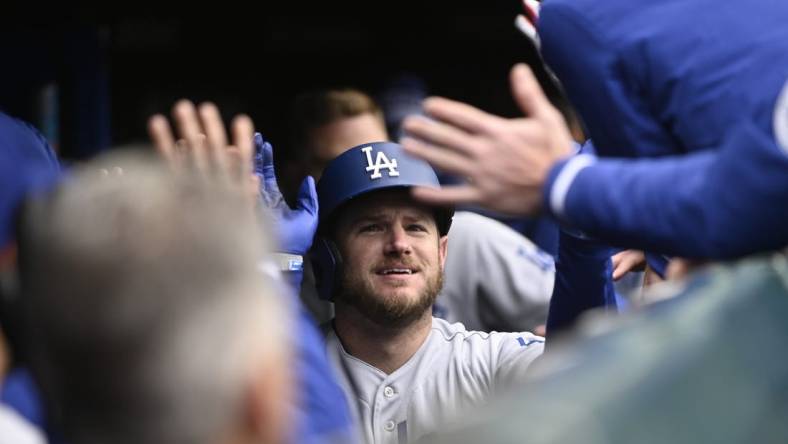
(145, 302)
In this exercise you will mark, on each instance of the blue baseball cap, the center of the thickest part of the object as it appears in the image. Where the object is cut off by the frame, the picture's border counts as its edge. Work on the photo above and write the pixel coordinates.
(373, 167)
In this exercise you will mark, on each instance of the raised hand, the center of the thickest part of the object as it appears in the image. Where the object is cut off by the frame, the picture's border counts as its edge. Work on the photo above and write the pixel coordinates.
(296, 226)
(506, 161)
(202, 142)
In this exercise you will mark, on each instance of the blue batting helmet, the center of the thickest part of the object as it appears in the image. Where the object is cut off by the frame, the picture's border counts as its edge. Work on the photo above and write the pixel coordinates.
(360, 170)
(372, 167)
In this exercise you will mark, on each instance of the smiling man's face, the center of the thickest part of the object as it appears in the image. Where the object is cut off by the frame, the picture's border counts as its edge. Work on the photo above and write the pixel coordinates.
(393, 256)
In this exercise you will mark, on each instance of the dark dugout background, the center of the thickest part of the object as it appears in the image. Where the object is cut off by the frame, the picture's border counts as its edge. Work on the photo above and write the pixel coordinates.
(89, 77)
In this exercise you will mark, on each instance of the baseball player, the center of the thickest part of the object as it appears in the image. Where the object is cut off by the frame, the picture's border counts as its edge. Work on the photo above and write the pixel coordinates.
(379, 255)
(697, 79)
(382, 258)
(495, 278)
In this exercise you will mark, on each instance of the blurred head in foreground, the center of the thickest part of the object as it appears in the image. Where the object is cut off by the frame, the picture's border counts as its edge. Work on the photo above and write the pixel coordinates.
(149, 318)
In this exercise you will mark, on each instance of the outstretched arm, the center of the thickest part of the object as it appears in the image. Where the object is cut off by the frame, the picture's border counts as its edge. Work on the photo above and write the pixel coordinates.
(583, 281)
(506, 161)
(711, 205)
(714, 204)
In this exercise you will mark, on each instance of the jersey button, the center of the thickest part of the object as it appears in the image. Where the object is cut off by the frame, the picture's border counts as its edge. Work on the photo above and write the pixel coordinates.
(389, 426)
(388, 392)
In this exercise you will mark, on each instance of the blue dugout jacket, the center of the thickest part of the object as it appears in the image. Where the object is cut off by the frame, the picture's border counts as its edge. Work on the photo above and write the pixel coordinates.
(701, 85)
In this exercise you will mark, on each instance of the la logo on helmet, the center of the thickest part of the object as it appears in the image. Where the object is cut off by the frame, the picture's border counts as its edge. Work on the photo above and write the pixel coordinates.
(381, 161)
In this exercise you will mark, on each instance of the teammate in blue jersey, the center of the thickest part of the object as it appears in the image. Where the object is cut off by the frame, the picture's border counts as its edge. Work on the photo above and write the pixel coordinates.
(583, 276)
(701, 85)
(28, 164)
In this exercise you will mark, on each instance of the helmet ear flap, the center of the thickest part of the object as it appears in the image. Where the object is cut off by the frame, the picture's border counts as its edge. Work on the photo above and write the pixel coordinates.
(327, 265)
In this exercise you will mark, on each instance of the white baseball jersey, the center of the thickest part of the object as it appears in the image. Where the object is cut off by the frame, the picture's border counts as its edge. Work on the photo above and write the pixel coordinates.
(453, 370)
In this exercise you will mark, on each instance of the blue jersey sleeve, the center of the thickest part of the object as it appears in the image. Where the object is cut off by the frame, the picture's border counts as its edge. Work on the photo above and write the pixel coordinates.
(714, 204)
(323, 412)
(583, 280)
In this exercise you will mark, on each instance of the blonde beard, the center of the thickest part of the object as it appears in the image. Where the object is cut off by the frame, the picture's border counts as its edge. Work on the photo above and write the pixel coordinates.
(388, 311)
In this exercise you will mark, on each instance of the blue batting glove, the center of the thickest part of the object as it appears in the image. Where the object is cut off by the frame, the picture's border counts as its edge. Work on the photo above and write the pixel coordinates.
(295, 227)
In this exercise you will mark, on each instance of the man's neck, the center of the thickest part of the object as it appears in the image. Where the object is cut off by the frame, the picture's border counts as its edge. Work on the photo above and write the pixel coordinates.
(384, 347)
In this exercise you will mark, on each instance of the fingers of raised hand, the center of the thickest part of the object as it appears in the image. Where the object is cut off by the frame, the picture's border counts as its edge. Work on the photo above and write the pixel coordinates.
(439, 133)
(161, 135)
(528, 93)
(187, 123)
(203, 142)
(532, 101)
(460, 115)
(440, 157)
(243, 139)
(450, 195)
(212, 125)
(215, 140)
